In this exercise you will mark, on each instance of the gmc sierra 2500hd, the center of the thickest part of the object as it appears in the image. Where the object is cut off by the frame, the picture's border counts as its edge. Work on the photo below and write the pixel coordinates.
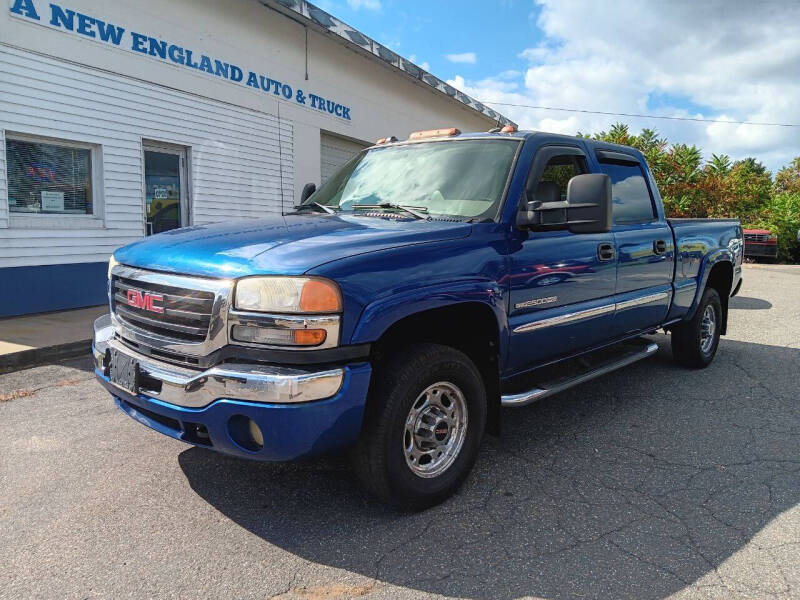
(428, 284)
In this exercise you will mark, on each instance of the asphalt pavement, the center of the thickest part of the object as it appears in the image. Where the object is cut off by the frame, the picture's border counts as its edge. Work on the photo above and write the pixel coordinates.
(652, 482)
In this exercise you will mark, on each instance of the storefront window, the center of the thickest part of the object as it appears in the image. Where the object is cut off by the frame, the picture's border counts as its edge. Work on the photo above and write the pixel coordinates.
(48, 177)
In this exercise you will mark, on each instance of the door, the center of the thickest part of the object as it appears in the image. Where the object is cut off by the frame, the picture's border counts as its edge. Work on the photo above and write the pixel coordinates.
(561, 284)
(644, 245)
(165, 193)
(335, 152)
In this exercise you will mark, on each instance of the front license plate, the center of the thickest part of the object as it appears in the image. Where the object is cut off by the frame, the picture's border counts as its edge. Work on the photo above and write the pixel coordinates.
(123, 371)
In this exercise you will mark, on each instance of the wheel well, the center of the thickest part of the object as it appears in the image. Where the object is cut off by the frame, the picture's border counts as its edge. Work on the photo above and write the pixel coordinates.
(721, 279)
(470, 327)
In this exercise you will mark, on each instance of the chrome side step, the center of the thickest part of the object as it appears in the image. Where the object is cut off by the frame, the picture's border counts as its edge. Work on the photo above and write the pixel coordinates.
(549, 388)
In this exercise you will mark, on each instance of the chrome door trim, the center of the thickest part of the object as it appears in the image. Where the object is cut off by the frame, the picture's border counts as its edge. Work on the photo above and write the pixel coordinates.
(567, 318)
(590, 312)
(642, 300)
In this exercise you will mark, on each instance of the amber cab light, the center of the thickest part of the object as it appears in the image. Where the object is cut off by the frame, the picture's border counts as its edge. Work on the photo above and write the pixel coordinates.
(429, 133)
(509, 129)
(319, 296)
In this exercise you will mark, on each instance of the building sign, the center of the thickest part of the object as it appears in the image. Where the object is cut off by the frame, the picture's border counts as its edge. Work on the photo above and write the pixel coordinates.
(58, 17)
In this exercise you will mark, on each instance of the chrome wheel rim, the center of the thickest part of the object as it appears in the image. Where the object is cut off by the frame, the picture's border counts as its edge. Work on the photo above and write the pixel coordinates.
(435, 429)
(708, 327)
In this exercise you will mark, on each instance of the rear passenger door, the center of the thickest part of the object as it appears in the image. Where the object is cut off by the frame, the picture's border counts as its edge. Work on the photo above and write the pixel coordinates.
(644, 245)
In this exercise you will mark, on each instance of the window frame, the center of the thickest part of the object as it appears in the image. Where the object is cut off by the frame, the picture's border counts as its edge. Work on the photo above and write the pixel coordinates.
(31, 220)
(541, 159)
(621, 158)
(185, 174)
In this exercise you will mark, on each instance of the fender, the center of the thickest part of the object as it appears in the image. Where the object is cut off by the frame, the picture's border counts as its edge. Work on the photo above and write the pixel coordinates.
(717, 256)
(381, 314)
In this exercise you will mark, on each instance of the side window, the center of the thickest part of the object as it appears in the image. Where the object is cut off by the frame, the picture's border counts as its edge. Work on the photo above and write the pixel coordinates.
(551, 186)
(632, 200)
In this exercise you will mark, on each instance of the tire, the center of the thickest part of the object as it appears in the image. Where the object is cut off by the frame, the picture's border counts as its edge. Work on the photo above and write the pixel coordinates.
(691, 344)
(397, 399)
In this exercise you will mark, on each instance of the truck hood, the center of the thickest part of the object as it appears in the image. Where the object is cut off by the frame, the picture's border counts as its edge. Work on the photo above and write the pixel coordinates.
(281, 245)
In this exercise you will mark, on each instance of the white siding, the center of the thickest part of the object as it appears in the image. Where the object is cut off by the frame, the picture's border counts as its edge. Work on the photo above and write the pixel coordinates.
(241, 159)
(336, 152)
(3, 204)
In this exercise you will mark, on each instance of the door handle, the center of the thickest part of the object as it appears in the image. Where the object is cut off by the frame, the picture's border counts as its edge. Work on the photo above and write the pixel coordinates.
(605, 251)
(659, 246)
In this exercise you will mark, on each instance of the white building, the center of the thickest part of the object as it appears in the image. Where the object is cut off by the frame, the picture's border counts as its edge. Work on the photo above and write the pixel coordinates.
(120, 119)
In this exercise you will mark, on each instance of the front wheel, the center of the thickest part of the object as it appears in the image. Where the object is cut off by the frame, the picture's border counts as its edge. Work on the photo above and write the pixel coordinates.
(424, 423)
(695, 342)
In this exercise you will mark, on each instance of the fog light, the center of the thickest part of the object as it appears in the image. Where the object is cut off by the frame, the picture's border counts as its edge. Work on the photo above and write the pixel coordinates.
(255, 433)
(245, 433)
(278, 337)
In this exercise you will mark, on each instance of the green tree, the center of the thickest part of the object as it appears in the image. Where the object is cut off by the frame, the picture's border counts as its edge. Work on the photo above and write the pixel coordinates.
(781, 216)
(720, 164)
(788, 178)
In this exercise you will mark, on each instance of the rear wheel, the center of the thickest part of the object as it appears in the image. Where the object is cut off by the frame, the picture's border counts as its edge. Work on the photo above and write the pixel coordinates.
(695, 342)
(424, 423)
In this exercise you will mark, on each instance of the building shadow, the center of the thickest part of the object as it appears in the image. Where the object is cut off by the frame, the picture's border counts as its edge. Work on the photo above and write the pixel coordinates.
(745, 303)
(634, 485)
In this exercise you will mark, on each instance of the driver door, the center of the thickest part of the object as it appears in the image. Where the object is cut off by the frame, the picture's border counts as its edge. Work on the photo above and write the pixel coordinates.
(561, 283)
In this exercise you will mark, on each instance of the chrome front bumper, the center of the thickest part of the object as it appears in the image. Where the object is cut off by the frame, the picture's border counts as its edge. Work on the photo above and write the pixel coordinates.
(195, 389)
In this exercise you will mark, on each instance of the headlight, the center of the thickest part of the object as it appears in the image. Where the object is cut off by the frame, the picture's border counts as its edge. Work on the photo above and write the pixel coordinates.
(288, 295)
(111, 264)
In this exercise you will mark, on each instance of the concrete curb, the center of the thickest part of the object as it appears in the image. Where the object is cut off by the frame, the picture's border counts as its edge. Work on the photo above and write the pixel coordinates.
(24, 359)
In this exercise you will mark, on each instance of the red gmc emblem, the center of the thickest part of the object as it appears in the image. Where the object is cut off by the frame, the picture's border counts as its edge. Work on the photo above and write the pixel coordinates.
(145, 300)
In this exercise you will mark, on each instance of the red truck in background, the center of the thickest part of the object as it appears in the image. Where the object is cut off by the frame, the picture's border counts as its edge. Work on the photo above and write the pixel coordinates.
(760, 244)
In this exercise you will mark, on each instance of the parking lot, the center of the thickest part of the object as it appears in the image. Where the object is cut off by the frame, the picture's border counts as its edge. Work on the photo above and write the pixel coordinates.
(652, 482)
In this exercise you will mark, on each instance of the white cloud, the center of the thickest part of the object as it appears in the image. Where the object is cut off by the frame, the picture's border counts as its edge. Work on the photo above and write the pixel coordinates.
(366, 4)
(464, 57)
(734, 62)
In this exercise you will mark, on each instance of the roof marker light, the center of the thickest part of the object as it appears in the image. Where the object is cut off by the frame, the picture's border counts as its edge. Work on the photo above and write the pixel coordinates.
(429, 133)
(386, 140)
(509, 129)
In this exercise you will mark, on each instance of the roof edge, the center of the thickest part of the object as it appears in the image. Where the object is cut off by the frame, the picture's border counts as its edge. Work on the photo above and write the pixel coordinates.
(309, 14)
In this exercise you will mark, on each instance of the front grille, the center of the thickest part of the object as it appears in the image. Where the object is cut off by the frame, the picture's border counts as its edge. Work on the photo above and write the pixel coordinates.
(756, 237)
(186, 316)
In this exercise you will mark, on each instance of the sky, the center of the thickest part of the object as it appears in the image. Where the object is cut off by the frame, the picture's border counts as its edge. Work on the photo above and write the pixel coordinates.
(732, 61)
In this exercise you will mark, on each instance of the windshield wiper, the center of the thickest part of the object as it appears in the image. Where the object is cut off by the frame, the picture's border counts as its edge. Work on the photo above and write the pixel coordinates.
(327, 209)
(416, 211)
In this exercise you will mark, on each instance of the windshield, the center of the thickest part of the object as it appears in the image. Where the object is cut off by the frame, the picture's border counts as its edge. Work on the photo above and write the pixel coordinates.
(459, 178)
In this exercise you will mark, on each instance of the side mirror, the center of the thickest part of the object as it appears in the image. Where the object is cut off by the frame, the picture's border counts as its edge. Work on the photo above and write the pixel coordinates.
(308, 189)
(587, 208)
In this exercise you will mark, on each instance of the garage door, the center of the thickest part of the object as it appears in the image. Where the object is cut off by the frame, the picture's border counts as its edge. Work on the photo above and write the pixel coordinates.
(335, 152)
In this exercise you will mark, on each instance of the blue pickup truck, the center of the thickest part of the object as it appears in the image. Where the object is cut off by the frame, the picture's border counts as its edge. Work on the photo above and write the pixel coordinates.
(395, 311)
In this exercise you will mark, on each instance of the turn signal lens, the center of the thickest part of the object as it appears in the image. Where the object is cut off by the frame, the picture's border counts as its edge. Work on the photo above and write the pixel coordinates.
(273, 336)
(772, 237)
(320, 296)
(309, 337)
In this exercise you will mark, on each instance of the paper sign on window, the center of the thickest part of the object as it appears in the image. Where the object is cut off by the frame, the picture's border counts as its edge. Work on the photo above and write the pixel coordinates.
(52, 201)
